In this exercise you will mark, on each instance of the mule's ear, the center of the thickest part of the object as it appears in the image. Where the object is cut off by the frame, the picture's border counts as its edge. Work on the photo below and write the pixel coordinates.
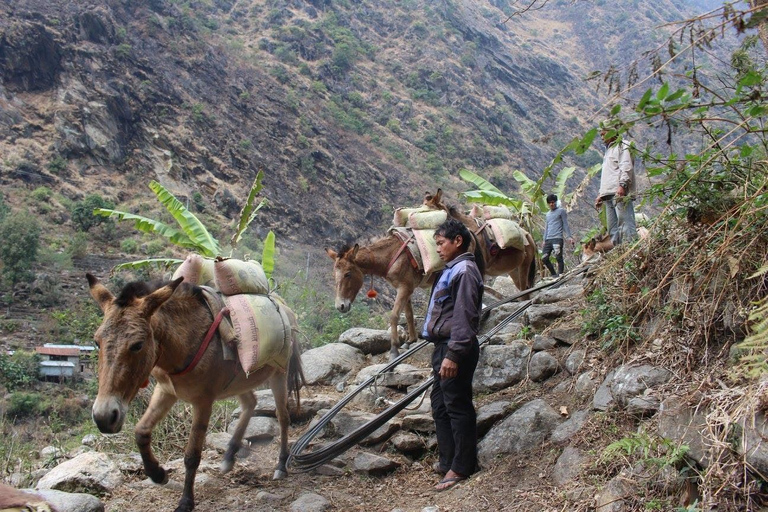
(354, 251)
(154, 300)
(438, 196)
(331, 253)
(99, 292)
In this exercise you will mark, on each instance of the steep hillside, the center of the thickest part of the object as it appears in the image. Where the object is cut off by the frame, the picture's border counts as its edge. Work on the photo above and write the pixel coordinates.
(350, 107)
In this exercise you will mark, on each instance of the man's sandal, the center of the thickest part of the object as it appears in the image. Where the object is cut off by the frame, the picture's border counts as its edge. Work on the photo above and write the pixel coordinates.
(449, 483)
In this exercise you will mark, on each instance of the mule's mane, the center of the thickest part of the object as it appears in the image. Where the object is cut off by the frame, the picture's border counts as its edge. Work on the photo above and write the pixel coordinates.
(138, 289)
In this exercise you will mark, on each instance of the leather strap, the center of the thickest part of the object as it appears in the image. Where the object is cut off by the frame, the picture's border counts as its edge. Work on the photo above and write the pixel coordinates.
(204, 345)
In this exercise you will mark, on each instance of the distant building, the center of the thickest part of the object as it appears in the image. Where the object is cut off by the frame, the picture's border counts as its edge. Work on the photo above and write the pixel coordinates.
(58, 362)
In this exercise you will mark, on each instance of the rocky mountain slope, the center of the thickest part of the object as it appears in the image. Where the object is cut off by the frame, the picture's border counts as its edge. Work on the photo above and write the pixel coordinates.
(351, 108)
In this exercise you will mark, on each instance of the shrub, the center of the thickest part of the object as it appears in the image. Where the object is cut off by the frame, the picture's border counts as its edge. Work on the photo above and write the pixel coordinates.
(129, 245)
(78, 248)
(20, 234)
(57, 165)
(82, 212)
(25, 405)
(42, 194)
(18, 370)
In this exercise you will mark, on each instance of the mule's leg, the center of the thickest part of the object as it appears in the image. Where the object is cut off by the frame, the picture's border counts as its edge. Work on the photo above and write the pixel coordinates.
(278, 382)
(159, 405)
(247, 404)
(402, 298)
(411, 323)
(201, 414)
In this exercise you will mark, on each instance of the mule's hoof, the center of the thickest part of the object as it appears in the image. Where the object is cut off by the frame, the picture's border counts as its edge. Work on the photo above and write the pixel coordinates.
(226, 466)
(279, 474)
(160, 477)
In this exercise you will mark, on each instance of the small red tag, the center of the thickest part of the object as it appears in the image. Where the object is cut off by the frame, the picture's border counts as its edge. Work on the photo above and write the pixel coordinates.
(145, 384)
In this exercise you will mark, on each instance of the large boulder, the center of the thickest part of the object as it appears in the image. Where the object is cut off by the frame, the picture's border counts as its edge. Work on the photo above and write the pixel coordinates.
(501, 366)
(522, 430)
(91, 472)
(330, 364)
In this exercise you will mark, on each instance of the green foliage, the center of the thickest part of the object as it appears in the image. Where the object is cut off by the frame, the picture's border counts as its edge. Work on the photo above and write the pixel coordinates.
(20, 234)
(83, 215)
(57, 165)
(25, 405)
(123, 50)
(192, 233)
(198, 201)
(78, 247)
(4, 208)
(608, 319)
(129, 245)
(18, 370)
(649, 449)
(319, 321)
(42, 194)
(76, 325)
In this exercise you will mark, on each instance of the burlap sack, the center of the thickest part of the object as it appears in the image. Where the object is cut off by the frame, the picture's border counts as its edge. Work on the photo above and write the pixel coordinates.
(196, 270)
(425, 240)
(401, 215)
(507, 233)
(234, 277)
(426, 220)
(487, 212)
(263, 326)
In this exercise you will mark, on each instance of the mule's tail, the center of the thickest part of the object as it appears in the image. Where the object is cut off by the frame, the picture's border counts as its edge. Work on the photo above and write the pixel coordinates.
(296, 377)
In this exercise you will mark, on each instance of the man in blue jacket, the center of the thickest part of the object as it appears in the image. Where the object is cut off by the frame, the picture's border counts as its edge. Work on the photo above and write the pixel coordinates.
(452, 323)
(555, 231)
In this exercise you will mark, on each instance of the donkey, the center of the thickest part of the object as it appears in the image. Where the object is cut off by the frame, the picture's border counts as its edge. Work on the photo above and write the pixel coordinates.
(159, 329)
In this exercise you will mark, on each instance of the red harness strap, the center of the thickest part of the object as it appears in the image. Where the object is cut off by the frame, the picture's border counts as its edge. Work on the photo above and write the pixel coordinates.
(206, 342)
(413, 261)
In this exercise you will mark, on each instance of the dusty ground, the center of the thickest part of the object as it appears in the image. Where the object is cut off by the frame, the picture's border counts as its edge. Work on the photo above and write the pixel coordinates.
(519, 483)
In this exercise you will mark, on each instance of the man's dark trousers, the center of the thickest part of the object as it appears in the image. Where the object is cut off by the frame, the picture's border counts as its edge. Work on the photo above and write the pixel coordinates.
(454, 413)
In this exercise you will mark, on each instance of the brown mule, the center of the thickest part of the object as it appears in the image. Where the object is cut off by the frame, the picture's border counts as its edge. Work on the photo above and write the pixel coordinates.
(158, 329)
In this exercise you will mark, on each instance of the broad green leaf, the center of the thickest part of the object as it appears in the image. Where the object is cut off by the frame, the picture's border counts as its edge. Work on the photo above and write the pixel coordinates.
(585, 142)
(248, 213)
(478, 181)
(491, 198)
(644, 100)
(206, 244)
(615, 110)
(663, 91)
(751, 79)
(157, 263)
(562, 178)
(268, 254)
(675, 95)
(146, 225)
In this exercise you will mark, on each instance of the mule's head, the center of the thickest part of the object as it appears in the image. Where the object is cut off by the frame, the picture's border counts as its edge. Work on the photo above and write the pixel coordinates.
(347, 275)
(127, 349)
(434, 202)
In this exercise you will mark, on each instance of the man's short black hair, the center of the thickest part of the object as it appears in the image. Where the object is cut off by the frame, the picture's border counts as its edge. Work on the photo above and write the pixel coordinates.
(551, 198)
(452, 228)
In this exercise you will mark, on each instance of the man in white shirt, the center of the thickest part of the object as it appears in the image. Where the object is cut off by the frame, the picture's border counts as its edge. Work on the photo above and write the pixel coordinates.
(617, 187)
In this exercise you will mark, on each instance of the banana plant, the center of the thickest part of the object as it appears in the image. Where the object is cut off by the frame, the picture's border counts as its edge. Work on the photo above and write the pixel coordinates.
(191, 233)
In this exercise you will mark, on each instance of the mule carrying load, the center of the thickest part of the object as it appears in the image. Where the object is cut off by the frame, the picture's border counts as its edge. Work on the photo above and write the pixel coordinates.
(257, 323)
(178, 333)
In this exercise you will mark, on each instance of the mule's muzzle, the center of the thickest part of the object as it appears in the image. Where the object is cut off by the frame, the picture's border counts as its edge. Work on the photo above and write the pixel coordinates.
(108, 415)
(344, 305)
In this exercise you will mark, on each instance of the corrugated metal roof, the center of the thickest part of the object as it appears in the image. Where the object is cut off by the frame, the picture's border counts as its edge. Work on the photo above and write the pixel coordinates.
(61, 364)
(79, 347)
(55, 351)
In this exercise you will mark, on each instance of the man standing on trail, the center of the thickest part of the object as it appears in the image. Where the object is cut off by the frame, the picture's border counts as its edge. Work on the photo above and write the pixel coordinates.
(452, 324)
(556, 226)
(617, 186)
